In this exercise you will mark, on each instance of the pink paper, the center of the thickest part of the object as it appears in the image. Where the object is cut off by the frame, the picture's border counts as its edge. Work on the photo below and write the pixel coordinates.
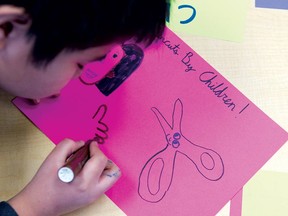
(236, 204)
(185, 139)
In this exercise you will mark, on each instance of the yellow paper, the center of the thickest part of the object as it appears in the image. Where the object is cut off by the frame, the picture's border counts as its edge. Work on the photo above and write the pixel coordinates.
(222, 19)
(266, 194)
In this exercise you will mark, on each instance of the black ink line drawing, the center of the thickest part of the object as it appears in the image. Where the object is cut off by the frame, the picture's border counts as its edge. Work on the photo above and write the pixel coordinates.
(180, 7)
(207, 161)
(101, 128)
(128, 64)
(193, 15)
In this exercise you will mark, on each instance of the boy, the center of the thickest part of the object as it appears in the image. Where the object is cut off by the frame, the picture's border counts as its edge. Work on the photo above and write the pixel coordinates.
(43, 45)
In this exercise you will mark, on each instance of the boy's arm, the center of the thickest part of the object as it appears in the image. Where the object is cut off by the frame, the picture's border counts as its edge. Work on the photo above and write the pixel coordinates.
(47, 195)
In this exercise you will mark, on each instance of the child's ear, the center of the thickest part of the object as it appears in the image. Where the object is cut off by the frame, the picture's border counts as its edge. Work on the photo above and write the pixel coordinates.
(13, 22)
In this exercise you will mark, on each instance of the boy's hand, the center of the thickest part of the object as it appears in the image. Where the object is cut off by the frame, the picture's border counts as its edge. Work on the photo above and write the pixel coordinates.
(47, 195)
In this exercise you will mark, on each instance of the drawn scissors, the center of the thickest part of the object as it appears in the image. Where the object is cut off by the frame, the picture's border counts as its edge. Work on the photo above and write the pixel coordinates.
(152, 186)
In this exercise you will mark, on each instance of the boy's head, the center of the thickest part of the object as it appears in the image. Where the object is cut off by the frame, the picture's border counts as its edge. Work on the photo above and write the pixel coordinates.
(44, 43)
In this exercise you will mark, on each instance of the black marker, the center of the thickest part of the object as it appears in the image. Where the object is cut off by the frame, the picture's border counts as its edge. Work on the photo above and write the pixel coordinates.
(74, 163)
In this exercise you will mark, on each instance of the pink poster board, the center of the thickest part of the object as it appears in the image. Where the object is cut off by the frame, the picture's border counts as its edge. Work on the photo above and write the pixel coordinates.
(236, 204)
(184, 137)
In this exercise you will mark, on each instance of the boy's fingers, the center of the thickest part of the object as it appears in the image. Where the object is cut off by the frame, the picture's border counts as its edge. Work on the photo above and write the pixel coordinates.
(109, 177)
(111, 170)
(99, 169)
(64, 149)
(94, 149)
(94, 167)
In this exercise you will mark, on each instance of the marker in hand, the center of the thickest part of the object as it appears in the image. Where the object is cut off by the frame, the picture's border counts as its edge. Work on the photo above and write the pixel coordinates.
(74, 163)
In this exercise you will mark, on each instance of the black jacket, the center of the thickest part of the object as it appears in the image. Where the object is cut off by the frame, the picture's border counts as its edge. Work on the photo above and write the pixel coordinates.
(7, 210)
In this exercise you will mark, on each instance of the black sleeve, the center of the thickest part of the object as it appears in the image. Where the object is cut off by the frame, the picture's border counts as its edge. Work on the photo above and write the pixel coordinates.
(7, 210)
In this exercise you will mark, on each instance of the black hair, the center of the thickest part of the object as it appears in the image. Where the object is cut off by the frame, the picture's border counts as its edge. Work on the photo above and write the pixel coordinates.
(59, 25)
